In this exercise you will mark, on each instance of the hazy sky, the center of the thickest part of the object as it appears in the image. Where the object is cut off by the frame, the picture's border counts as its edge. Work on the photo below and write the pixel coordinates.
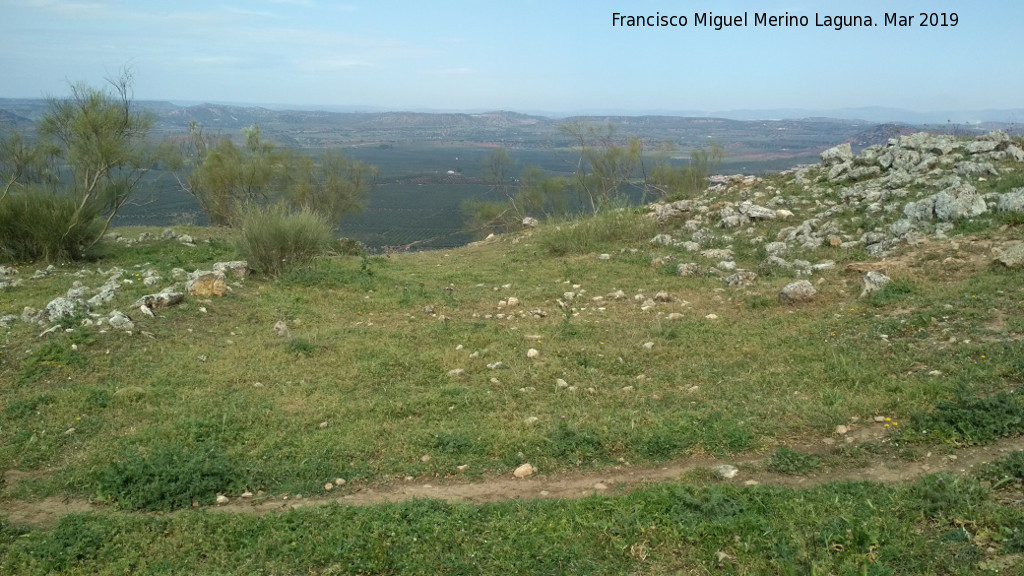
(550, 55)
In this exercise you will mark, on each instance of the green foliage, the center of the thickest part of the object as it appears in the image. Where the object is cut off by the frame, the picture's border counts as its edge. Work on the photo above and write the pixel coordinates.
(604, 166)
(787, 461)
(484, 217)
(946, 497)
(225, 178)
(275, 240)
(1008, 470)
(541, 195)
(969, 419)
(61, 192)
(34, 226)
(690, 180)
(168, 477)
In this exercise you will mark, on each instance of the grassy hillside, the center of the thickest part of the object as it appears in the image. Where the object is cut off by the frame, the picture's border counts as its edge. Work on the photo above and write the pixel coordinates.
(576, 347)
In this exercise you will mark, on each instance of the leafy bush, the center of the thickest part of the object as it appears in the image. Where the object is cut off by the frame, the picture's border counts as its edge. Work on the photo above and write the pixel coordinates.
(168, 478)
(34, 225)
(274, 240)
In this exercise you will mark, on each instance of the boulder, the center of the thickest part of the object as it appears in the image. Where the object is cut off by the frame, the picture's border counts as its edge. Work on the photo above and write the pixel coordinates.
(119, 321)
(206, 284)
(959, 201)
(1012, 257)
(1012, 201)
(837, 155)
(236, 268)
(530, 222)
(797, 292)
(872, 282)
(62, 307)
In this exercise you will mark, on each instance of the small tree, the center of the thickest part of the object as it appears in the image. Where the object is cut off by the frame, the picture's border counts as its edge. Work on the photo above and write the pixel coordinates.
(603, 166)
(91, 156)
(103, 142)
(687, 180)
(223, 177)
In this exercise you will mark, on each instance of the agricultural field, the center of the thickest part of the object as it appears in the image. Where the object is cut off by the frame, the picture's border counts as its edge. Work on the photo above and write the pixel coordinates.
(640, 391)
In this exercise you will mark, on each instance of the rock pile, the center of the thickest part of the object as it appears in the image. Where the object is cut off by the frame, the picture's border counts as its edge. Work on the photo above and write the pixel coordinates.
(913, 186)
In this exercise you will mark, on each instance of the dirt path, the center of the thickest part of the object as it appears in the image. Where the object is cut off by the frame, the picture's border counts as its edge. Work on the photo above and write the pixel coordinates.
(616, 480)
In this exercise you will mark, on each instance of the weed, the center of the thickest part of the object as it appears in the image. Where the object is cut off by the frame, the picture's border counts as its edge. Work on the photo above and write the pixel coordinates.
(301, 346)
(787, 461)
(969, 419)
(1008, 470)
(897, 289)
(571, 443)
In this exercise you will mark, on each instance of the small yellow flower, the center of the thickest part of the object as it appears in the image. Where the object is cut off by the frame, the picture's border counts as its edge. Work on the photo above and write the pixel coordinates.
(886, 425)
(888, 419)
(895, 423)
(982, 356)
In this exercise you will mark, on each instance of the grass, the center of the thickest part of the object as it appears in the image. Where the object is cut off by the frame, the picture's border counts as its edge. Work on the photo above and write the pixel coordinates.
(938, 524)
(205, 398)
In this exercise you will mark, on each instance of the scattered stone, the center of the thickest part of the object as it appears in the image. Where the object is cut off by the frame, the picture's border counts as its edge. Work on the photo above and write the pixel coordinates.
(532, 353)
(164, 299)
(281, 329)
(797, 292)
(323, 425)
(531, 420)
(872, 282)
(530, 222)
(456, 372)
(222, 499)
(236, 268)
(561, 383)
(741, 278)
(726, 471)
(600, 486)
(712, 316)
(339, 481)
(62, 307)
(648, 345)
(495, 365)
(119, 321)
(328, 487)
(604, 257)
(524, 471)
(841, 430)
(247, 494)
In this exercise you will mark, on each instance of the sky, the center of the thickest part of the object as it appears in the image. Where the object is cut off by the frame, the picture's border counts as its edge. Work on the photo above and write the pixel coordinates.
(529, 56)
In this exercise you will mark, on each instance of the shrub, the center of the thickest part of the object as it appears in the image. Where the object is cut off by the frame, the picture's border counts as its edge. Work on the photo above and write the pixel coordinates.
(274, 240)
(34, 226)
(168, 478)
